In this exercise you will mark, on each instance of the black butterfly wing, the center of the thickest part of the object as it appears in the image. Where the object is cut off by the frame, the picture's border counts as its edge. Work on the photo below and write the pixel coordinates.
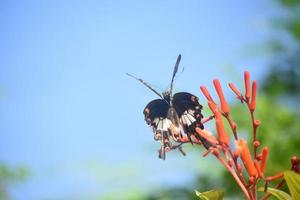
(156, 108)
(189, 113)
(155, 113)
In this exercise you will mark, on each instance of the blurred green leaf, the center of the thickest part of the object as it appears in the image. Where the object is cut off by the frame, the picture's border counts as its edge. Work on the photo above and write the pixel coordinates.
(279, 194)
(293, 181)
(290, 3)
(9, 174)
(215, 194)
(294, 28)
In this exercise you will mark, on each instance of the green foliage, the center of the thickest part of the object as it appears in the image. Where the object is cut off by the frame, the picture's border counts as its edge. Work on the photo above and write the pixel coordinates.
(290, 3)
(176, 193)
(293, 181)
(284, 80)
(279, 194)
(215, 194)
(8, 176)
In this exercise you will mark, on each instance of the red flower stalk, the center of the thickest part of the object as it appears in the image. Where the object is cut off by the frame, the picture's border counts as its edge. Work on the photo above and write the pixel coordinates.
(235, 90)
(222, 135)
(275, 177)
(206, 93)
(242, 148)
(247, 85)
(224, 105)
(253, 97)
(264, 157)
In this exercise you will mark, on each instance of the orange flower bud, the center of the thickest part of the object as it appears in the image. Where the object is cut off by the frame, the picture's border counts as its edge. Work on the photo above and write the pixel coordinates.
(258, 157)
(230, 162)
(239, 168)
(264, 156)
(256, 143)
(245, 155)
(251, 180)
(253, 98)
(235, 90)
(295, 160)
(222, 135)
(257, 122)
(247, 85)
(216, 152)
(236, 154)
(213, 107)
(224, 105)
(206, 93)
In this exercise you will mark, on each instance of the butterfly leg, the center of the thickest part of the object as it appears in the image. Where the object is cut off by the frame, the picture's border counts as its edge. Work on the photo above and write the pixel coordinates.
(203, 121)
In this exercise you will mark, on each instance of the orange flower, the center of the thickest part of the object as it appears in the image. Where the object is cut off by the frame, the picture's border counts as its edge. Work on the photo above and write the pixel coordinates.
(264, 157)
(247, 85)
(253, 98)
(242, 148)
(224, 105)
(222, 135)
(235, 90)
(206, 93)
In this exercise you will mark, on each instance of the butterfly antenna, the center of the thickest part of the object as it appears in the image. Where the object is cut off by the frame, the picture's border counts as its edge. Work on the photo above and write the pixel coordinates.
(173, 76)
(146, 84)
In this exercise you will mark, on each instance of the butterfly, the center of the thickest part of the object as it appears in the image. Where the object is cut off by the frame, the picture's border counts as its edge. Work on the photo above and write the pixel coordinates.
(170, 115)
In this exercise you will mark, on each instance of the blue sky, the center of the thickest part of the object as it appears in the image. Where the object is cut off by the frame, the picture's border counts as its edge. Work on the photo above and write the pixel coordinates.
(69, 113)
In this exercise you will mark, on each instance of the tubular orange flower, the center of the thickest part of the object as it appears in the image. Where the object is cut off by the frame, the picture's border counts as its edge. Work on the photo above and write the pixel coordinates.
(224, 105)
(235, 90)
(253, 97)
(222, 135)
(247, 85)
(206, 93)
(212, 106)
(264, 157)
(243, 149)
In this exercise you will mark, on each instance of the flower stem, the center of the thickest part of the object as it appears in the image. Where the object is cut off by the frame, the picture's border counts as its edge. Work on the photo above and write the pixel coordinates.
(235, 176)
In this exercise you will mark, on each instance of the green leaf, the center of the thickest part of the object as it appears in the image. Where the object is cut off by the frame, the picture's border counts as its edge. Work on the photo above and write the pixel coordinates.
(293, 181)
(281, 195)
(215, 194)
